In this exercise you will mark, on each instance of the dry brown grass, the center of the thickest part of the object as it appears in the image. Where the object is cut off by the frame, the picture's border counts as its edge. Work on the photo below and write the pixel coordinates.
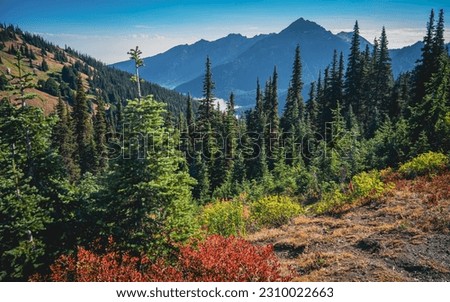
(402, 236)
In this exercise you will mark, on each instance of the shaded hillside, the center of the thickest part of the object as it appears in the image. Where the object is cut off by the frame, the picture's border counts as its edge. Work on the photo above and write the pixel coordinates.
(403, 236)
(186, 62)
(100, 80)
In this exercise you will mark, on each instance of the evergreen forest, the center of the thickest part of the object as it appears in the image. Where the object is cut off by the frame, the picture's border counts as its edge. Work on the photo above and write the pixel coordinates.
(158, 186)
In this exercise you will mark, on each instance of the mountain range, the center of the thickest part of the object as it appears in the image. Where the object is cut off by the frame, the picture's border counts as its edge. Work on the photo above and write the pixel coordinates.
(238, 61)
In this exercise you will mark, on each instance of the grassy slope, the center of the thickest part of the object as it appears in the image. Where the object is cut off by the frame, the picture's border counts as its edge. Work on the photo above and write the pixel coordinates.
(43, 100)
(404, 236)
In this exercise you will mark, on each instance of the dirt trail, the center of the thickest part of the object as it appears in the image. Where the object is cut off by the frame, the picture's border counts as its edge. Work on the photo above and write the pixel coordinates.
(404, 236)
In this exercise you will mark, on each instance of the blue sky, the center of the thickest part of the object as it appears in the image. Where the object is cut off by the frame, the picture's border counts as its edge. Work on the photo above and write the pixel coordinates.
(106, 29)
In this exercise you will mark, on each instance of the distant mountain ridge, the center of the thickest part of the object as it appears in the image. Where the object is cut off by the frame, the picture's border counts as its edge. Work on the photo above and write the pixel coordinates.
(237, 61)
(185, 62)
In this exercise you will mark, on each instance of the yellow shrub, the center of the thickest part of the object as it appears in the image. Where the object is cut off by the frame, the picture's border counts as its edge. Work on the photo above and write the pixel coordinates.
(273, 211)
(224, 218)
(368, 184)
(424, 164)
(363, 185)
(329, 201)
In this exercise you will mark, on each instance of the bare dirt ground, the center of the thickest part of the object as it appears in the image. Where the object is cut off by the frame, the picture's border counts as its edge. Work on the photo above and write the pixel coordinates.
(403, 236)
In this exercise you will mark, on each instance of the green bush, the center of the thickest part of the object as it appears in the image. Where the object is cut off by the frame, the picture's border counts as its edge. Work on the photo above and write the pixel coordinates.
(273, 211)
(224, 218)
(367, 184)
(424, 164)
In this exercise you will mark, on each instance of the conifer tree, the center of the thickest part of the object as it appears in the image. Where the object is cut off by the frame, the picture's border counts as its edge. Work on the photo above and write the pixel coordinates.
(261, 168)
(352, 85)
(429, 115)
(22, 82)
(205, 110)
(401, 97)
(119, 117)
(367, 104)
(294, 107)
(22, 213)
(312, 108)
(83, 130)
(199, 171)
(297, 83)
(325, 101)
(100, 127)
(63, 140)
(188, 132)
(32, 55)
(68, 76)
(425, 69)
(230, 135)
(273, 128)
(255, 130)
(44, 65)
(146, 180)
(190, 117)
(135, 55)
(208, 129)
(438, 41)
(258, 113)
(383, 76)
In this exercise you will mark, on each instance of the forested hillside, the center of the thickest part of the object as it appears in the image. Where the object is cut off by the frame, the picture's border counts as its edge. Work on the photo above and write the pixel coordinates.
(146, 197)
(56, 70)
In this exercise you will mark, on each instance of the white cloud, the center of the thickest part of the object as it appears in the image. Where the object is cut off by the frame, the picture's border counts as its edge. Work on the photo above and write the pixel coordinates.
(114, 48)
(222, 104)
(218, 101)
(397, 37)
(141, 26)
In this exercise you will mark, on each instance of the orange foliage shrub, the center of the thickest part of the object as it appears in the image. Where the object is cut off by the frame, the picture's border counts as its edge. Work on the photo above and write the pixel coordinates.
(229, 259)
(216, 259)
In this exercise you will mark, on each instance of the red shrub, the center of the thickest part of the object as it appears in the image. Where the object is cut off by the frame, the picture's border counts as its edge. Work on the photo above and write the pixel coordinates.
(229, 259)
(215, 259)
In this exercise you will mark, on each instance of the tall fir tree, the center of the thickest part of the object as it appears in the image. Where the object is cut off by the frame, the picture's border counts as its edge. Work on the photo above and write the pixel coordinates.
(294, 106)
(189, 132)
(199, 171)
(384, 78)
(24, 132)
(146, 180)
(230, 135)
(439, 41)
(255, 130)
(83, 130)
(63, 140)
(312, 108)
(190, 117)
(352, 85)
(425, 69)
(44, 65)
(135, 55)
(272, 120)
(100, 129)
(205, 110)
(429, 116)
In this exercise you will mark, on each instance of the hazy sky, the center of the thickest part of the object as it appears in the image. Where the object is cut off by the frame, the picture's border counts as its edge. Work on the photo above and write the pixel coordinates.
(107, 29)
